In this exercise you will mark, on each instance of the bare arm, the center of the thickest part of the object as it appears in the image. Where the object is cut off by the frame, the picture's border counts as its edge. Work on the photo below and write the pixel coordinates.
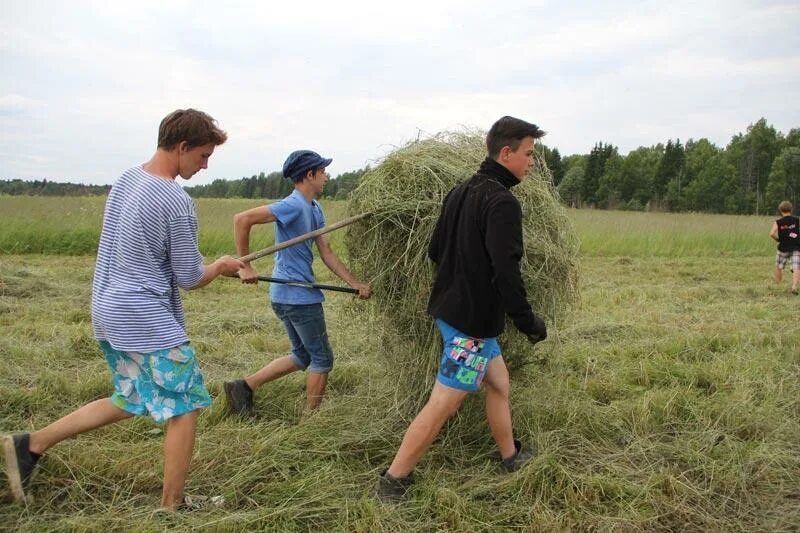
(774, 231)
(336, 266)
(224, 265)
(242, 222)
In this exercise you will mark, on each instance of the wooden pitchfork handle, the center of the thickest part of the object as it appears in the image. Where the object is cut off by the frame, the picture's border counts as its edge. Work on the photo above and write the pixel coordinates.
(300, 238)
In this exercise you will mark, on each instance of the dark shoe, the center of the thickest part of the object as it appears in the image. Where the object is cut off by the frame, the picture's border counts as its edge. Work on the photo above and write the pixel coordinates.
(391, 489)
(240, 397)
(20, 463)
(519, 459)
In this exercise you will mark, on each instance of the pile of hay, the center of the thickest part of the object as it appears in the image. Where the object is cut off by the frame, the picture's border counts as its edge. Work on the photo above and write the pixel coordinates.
(405, 193)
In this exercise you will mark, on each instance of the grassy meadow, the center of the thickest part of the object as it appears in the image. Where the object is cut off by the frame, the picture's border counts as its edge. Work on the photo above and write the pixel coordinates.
(71, 226)
(668, 401)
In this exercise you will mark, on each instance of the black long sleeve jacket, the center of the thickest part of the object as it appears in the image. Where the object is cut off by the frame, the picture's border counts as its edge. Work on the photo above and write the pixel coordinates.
(477, 246)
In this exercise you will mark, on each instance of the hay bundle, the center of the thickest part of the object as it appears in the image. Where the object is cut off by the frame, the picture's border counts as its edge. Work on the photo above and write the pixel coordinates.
(404, 193)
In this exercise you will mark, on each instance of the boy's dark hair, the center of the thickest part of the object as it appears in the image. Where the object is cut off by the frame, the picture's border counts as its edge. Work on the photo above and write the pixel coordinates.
(190, 125)
(509, 131)
(785, 207)
(301, 177)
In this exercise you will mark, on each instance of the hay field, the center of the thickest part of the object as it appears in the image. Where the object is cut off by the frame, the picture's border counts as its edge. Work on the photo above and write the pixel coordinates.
(669, 401)
(71, 226)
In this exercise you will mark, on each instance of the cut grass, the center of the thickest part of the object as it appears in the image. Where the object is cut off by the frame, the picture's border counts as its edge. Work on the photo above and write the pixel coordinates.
(669, 401)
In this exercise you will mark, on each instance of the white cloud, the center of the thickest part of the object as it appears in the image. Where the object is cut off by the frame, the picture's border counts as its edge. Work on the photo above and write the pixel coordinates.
(15, 103)
(84, 85)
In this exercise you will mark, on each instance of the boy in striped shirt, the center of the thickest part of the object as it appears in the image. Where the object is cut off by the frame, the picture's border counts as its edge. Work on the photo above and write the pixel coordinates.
(147, 251)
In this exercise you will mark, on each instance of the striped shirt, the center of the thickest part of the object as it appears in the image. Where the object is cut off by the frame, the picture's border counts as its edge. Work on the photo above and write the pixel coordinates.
(148, 249)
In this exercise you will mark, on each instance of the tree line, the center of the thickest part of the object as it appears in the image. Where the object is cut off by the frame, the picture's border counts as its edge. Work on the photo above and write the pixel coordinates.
(44, 187)
(273, 185)
(750, 175)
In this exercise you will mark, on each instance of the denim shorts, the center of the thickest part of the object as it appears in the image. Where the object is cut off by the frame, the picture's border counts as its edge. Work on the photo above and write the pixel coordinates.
(305, 325)
(465, 359)
(164, 383)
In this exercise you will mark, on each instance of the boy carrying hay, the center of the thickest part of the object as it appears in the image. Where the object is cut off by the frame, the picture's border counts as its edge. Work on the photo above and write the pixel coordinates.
(477, 246)
(299, 308)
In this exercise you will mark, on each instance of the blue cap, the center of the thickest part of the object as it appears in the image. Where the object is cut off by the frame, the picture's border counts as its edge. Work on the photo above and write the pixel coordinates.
(301, 161)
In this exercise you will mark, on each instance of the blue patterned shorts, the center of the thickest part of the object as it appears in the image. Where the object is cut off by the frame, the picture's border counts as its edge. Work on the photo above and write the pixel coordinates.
(164, 384)
(465, 359)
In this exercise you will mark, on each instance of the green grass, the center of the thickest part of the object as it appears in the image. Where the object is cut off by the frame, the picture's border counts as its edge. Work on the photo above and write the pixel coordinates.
(71, 226)
(613, 233)
(668, 401)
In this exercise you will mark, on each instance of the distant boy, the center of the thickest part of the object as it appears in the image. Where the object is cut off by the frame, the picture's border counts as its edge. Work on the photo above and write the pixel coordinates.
(299, 308)
(148, 249)
(476, 246)
(786, 230)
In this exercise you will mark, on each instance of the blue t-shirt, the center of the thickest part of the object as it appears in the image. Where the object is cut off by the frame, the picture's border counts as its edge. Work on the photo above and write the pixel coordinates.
(295, 216)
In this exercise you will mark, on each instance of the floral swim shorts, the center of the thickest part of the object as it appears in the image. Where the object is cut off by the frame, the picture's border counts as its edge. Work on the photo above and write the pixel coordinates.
(164, 383)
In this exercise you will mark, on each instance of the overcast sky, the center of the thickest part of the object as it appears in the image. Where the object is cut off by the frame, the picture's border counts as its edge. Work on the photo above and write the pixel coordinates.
(84, 85)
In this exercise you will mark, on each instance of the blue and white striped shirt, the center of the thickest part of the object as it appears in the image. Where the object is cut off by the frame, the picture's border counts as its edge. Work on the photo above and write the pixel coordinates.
(148, 249)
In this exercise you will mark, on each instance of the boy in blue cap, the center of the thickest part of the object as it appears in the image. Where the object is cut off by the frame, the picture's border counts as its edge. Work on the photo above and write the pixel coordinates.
(299, 308)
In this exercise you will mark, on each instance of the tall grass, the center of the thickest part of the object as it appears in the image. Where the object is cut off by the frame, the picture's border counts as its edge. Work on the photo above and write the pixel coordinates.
(71, 226)
(637, 234)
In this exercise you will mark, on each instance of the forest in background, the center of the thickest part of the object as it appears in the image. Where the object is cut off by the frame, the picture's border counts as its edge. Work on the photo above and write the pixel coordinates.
(750, 175)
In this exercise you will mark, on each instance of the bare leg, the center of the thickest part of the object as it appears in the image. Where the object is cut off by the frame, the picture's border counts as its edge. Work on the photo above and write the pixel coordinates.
(796, 279)
(93, 415)
(778, 274)
(178, 446)
(315, 389)
(498, 408)
(443, 404)
(274, 370)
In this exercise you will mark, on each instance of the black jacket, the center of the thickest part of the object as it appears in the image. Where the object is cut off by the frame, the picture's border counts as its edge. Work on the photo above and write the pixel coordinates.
(477, 246)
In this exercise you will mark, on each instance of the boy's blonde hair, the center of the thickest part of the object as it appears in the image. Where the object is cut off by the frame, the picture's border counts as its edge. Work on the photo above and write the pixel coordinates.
(785, 207)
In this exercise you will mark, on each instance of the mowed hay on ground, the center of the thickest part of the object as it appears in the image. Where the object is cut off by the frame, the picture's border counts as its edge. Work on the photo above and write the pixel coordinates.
(404, 193)
(669, 403)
